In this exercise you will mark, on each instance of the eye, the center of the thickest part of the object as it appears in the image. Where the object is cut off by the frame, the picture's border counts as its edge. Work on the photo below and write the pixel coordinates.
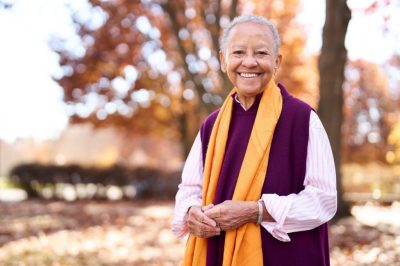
(262, 53)
(238, 52)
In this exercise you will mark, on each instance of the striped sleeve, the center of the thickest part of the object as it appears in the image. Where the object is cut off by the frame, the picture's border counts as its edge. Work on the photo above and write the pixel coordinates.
(190, 188)
(317, 203)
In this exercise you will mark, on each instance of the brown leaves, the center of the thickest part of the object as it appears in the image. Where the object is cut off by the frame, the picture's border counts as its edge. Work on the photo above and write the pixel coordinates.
(159, 39)
(368, 107)
(370, 239)
(88, 233)
(138, 233)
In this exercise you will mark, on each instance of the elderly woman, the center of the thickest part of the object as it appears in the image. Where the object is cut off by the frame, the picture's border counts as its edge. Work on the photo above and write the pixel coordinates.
(258, 186)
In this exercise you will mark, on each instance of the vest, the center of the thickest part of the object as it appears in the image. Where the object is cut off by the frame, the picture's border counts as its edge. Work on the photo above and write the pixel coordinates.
(285, 175)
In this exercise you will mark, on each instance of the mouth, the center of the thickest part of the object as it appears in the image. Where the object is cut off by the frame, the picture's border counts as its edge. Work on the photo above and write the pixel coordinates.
(249, 75)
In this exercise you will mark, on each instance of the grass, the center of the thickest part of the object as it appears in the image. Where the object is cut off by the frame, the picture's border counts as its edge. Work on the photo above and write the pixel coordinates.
(6, 183)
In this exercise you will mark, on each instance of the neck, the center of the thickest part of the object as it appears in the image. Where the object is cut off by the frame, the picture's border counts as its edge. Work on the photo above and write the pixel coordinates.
(246, 101)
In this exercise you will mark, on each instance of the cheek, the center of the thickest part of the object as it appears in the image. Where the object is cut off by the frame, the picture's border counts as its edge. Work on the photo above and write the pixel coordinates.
(233, 64)
(269, 67)
(231, 76)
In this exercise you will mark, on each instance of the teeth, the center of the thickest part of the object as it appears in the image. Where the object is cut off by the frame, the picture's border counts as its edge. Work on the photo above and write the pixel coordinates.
(248, 75)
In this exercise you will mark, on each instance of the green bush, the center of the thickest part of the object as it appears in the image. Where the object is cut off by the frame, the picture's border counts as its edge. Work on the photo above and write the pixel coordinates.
(144, 183)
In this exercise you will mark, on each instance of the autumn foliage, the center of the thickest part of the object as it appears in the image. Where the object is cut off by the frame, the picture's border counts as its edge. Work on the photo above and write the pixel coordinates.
(153, 67)
(369, 113)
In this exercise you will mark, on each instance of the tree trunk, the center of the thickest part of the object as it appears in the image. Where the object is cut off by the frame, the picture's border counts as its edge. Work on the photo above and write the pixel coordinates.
(331, 67)
(193, 113)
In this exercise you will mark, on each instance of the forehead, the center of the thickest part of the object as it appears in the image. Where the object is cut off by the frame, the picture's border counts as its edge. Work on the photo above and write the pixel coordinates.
(247, 32)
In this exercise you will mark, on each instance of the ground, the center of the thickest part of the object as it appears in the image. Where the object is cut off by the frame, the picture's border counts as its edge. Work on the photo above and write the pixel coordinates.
(59, 233)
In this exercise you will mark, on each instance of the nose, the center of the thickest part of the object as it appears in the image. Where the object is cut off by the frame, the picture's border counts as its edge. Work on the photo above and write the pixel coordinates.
(249, 60)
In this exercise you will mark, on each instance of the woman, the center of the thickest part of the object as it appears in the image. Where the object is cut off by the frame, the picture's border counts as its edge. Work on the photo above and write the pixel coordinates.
(258, 186)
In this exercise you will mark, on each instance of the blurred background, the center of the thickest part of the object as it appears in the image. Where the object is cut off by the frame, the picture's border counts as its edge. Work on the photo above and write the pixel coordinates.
(101, 100)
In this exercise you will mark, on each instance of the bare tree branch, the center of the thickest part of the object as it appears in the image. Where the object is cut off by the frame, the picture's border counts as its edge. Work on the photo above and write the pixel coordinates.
(233, 10)
(215, 31)
(218, 14)
(213, 28)
(182, 51)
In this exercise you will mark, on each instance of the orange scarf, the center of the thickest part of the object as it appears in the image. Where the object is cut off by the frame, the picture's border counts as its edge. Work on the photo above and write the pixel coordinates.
(243, 245)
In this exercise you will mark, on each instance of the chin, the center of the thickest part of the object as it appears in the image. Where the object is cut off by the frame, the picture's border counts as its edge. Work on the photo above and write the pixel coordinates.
(250, 92)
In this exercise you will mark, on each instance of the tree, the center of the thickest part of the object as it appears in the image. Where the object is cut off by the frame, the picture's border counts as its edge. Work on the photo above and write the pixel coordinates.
(393, 155)
(152, 67)
(368, 111)
(331, 67)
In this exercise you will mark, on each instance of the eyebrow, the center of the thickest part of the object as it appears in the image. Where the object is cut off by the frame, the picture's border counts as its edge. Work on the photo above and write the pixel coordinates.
(263, 47)
(238, 47)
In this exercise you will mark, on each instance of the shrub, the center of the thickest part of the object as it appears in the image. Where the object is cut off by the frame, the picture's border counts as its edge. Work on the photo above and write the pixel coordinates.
(144, 183)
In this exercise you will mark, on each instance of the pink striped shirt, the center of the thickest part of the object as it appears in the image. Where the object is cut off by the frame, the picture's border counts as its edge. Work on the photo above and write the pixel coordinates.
(313, 206)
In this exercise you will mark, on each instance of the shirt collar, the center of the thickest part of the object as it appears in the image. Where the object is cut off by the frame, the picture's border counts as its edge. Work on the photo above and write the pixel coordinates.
(237, 100)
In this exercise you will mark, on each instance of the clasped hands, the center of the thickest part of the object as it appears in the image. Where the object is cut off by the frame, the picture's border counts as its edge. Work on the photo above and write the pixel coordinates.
(210, 220)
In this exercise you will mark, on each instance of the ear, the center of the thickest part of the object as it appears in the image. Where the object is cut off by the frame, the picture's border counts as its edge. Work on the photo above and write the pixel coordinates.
(278, 61)
(223, 62)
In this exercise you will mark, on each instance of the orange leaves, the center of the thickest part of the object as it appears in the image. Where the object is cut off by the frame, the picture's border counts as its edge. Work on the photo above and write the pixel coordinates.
(158, 40)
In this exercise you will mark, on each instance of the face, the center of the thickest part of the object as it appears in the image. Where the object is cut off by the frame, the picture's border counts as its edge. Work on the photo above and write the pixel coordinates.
(250, 59)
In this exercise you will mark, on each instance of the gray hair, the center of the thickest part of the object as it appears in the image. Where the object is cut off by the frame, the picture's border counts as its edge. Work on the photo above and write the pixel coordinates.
(252, 19)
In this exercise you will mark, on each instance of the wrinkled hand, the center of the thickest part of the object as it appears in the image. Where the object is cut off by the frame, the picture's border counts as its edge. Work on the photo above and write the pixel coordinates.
(199, 224)
(230, 214)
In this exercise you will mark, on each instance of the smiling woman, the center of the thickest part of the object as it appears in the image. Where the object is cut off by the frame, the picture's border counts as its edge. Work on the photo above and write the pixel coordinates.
(250, 60)
(258, 186)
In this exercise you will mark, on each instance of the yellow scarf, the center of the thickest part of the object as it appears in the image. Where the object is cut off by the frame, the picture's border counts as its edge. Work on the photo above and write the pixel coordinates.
(243, 245)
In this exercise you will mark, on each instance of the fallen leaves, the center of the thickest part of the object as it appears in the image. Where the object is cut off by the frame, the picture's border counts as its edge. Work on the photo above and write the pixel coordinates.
(370, 237)
(105, 233)
(88, 233)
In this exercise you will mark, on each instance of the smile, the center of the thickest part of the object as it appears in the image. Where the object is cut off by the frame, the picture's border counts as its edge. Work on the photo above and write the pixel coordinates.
(249, 75)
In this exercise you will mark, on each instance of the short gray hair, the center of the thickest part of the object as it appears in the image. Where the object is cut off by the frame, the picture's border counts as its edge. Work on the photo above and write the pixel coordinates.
(253, 19)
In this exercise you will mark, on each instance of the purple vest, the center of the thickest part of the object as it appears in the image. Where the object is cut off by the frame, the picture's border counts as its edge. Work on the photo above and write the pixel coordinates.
(285, 175)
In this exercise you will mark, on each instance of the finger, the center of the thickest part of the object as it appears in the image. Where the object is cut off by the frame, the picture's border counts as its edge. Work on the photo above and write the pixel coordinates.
(195, 227)
(194, 211)
(224, 228)
(199, 225)
(207, 227)
(193, 215)
(208, 221)
(209, 206)
(198, 215)
(211, 234)
(216, 231)
(206, 232)
(214, 212)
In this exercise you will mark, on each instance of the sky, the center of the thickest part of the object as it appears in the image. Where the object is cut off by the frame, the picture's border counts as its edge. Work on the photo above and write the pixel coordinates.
(31, 103)
(30, 100)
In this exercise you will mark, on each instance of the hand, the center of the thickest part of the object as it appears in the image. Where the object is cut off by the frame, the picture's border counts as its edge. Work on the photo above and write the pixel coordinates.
(199, 224)
(230, 214)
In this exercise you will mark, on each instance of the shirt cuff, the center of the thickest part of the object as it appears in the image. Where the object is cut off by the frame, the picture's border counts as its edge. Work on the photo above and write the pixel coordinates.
(278, 207)
(179, 223)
